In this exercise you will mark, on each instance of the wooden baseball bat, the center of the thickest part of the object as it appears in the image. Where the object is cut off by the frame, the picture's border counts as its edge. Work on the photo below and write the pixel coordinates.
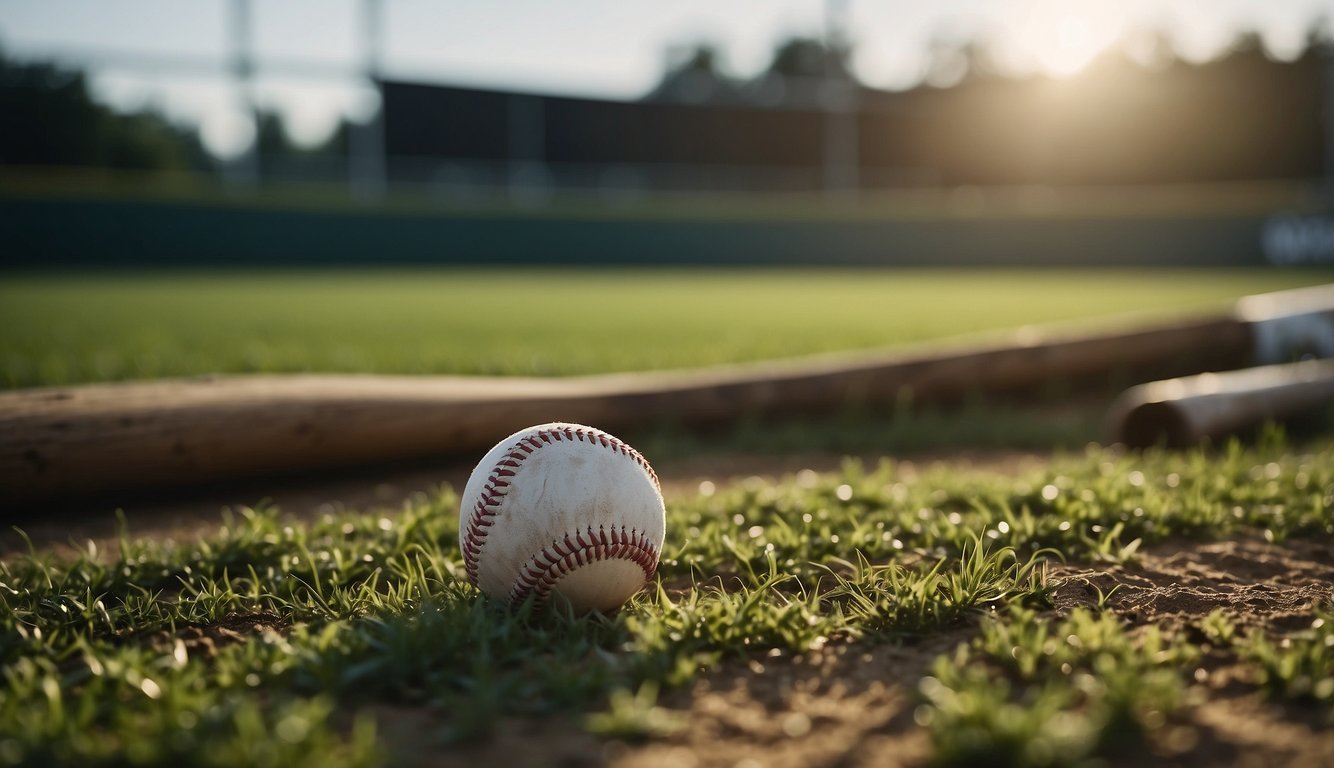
(1185, 411)
(108, 438)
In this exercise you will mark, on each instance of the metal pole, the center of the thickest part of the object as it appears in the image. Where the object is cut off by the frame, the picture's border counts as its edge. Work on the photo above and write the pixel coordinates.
(529, 180)
(245, 170)
(839, 100)
(366, 144)
(1326, 54)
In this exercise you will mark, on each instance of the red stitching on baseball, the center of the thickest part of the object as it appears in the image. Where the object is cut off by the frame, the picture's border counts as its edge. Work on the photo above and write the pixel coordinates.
(563, 556)
(493, 493)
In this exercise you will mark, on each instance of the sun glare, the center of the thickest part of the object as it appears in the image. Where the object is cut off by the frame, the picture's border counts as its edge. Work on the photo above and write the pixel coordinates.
(1060, 39)
(1072, 49)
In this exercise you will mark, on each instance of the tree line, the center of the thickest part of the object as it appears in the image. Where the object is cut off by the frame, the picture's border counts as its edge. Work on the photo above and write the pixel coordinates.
(49, 116)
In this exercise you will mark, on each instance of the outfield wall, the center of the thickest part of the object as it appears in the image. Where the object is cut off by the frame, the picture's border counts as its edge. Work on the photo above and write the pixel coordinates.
(54, 232)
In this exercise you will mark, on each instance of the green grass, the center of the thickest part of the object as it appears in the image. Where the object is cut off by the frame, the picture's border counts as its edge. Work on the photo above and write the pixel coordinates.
(61, 329)
(277, 643)
(1299, 667)
(1029, 691)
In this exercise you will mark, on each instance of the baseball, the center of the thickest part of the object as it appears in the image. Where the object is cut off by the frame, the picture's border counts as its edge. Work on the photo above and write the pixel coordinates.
(564, 510)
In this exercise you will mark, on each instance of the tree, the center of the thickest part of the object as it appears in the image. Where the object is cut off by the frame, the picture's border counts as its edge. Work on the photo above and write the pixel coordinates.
(808, 58)
(49, 117)
(695, 77)
(272, 138)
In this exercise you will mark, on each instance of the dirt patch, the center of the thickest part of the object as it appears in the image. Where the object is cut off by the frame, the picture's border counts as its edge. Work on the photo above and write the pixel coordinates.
(421, 738)
(846, 705)
(1249, 732)
(1256, 583)
(207, 639)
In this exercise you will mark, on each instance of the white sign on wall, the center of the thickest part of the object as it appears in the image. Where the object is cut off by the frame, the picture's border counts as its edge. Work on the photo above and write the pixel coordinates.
(1293, 240)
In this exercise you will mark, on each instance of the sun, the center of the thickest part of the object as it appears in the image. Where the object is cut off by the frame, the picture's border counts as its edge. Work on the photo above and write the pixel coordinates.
(1061, 39)
(1071, 48)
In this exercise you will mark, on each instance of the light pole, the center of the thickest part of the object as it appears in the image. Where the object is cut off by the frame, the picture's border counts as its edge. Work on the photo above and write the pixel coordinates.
(840, 102)
(245, 170)
(366, 143)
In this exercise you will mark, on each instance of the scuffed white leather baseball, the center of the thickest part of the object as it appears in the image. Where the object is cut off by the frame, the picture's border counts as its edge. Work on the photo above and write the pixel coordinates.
(562, 510)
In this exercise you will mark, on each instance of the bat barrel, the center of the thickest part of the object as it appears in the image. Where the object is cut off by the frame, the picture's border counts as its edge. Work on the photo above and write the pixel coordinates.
(1185, 411)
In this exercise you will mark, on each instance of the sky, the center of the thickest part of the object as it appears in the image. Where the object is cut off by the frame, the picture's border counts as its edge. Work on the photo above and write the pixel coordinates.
(171, 54)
